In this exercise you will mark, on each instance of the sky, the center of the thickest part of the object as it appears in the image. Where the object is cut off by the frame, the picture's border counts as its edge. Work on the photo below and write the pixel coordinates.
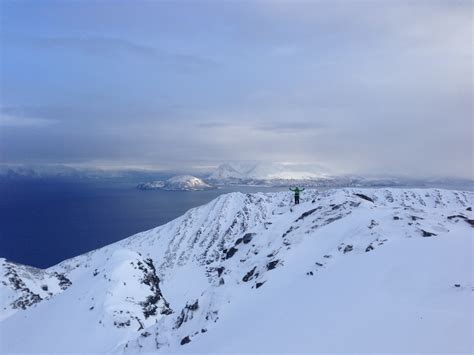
(366, 87)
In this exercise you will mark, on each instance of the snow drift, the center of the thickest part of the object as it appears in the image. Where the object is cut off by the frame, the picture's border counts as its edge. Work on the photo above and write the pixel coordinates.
(348, 270)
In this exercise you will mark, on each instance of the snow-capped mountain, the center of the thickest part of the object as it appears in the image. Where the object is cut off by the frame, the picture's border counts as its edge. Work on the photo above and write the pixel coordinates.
(347, 270)
(311, 175)
(177, 183)
(266, 172)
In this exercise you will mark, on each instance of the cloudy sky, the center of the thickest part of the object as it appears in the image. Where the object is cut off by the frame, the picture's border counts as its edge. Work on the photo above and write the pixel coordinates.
(372, 87)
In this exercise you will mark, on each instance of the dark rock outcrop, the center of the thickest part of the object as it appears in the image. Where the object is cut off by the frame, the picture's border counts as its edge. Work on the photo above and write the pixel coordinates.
(427, 234)
(247, 238)
(185, 340)
(150, 304)
(272, 264)
(307, 213)
(230, 253)
(248, 275)
(364, 197)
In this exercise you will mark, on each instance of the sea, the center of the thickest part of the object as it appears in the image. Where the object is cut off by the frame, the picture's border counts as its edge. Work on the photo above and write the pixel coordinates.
(43, 222)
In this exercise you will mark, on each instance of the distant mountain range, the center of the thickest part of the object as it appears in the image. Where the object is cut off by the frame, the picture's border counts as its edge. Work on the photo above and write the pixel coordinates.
(177, 183)
(14, 172)
(256, 174)
(280, 174)
(267, 171)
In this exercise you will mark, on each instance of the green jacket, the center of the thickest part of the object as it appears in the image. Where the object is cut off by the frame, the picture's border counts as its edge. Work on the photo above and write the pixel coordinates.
(297, 190)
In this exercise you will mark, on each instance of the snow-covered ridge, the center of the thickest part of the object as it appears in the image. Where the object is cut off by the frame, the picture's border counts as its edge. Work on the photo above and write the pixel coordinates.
(354, 264)
(177, 183)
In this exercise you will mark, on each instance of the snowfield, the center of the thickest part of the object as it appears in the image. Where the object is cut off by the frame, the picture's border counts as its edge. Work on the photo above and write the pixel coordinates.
(347, 270)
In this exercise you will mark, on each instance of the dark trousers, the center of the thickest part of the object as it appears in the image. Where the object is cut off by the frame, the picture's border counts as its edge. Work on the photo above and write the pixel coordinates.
(297, 199)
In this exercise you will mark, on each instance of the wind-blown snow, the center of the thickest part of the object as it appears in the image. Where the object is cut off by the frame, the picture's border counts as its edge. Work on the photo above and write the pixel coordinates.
(348, 270)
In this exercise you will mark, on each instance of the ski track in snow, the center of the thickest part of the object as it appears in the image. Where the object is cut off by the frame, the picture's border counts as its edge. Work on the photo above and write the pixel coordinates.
(347, 270)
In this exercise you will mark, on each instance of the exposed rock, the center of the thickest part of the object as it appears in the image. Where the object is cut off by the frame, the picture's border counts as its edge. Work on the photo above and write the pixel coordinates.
(185, 340)
(427, 234)
(230, 253)
(150, 304)
(124, 324)
(364, 197)
(289, 230)
(186, 314)
(348, 248)
(64, 282)
(373, 224)
(457, 216)
(220, 270)
(194, 306)
(307, 213)
(333, 219)
(248, 275)
(272, 264)
(247, 238)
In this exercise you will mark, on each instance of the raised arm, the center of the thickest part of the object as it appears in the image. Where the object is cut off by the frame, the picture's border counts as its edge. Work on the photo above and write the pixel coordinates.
(302, 189)
(291, 189)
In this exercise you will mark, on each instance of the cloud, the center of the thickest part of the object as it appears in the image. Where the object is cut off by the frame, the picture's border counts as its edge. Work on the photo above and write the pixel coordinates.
(289, 126)
(358, 86)
(93, 45)
(113, 47)
(8, 120)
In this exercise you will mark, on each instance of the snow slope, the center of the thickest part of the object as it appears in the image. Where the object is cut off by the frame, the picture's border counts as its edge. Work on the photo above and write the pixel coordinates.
(348, 270)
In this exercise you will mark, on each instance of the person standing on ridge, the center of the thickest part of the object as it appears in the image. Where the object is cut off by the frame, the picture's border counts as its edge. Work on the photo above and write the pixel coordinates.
(297, 191)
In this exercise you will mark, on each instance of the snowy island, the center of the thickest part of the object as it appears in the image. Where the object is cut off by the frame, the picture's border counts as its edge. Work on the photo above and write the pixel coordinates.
(347, 271)
(177, 183)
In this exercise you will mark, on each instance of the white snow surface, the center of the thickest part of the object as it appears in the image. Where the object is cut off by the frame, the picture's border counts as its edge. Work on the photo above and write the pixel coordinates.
(250, 273)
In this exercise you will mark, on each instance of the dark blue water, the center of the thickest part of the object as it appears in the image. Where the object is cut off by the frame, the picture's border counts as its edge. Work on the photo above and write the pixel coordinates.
(44, 222)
